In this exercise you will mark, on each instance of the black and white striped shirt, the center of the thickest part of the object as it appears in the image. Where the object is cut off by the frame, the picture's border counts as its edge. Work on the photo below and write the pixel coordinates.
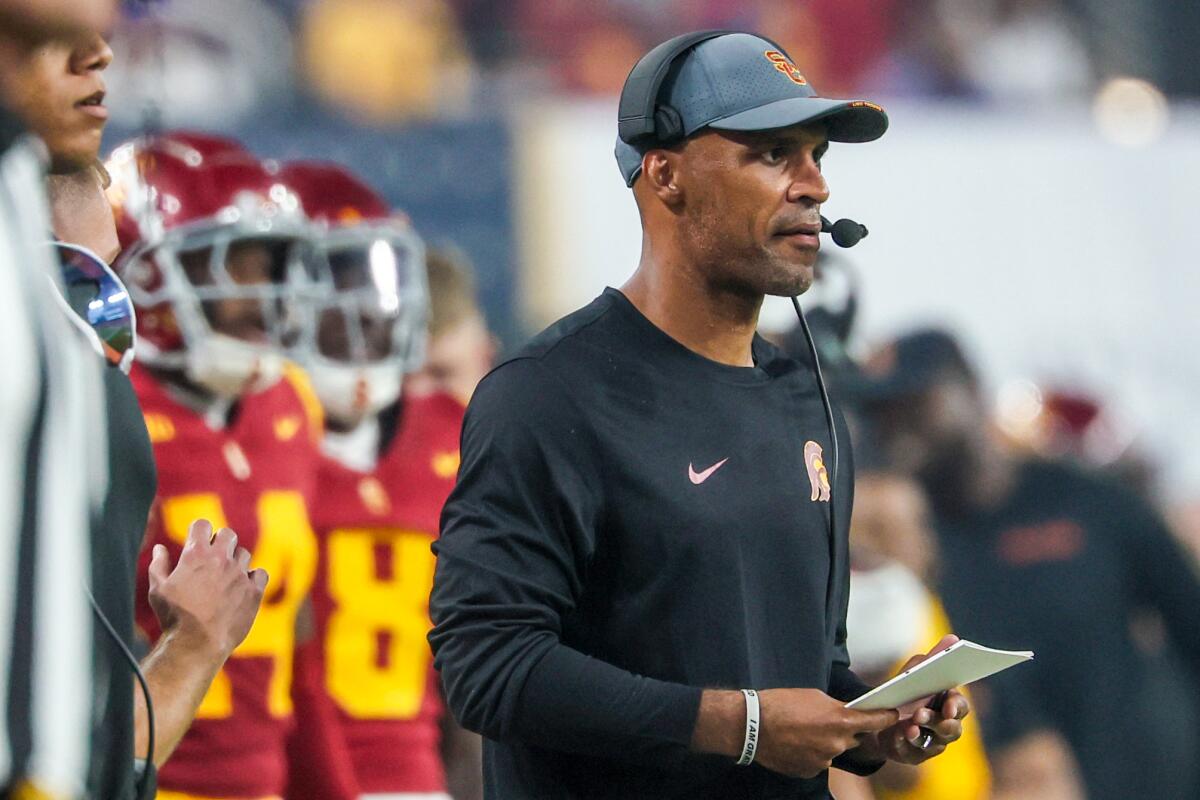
(53, 478)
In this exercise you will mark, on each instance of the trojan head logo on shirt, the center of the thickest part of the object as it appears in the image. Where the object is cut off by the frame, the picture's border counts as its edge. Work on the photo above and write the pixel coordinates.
(785, 65)
(818, 476)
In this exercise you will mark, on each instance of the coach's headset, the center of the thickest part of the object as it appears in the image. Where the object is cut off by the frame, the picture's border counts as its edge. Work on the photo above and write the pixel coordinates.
(645, 122)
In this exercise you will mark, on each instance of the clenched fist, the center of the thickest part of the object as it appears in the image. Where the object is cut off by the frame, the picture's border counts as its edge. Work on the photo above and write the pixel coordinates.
(210, 598)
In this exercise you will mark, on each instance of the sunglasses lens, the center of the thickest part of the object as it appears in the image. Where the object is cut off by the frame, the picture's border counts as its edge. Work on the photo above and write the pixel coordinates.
(97, 295)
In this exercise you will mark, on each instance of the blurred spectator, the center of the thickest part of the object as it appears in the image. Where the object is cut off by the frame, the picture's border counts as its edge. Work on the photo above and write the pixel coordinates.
(891, 522)
(839, 42)
(587, 47)
(926, 57)
(891, 614)
(1126, 36)
(212, 64)
(460, 350)
(1069, 424)
(387, 60)
(1022, 51)
(1044, 556)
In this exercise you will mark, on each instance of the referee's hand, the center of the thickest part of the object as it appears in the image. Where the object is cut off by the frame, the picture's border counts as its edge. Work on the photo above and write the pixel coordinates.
(210, 598)
(802, 730)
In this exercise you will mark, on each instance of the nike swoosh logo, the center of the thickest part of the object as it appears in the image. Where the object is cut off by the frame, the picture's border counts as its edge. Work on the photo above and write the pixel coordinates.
(700, 477)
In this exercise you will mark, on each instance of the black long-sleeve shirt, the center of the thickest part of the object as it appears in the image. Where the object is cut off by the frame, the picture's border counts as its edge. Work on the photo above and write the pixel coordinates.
(633, 523)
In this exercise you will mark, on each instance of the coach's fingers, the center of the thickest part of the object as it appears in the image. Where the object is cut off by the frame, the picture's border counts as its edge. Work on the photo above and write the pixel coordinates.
(873, 721)
(948, 730)
(956, 706)
(945, 643)
(243, 558)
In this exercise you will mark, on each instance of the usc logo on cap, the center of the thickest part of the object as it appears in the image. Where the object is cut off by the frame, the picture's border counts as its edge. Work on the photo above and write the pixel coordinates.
(785, 65)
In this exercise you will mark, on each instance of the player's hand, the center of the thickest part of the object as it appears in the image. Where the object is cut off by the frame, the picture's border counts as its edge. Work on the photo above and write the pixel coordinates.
(209, 598)
(900, 742)
(803, 730)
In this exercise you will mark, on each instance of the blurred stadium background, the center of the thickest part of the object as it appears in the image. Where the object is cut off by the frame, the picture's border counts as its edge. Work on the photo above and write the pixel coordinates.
(1030, 193)
(1035, 193)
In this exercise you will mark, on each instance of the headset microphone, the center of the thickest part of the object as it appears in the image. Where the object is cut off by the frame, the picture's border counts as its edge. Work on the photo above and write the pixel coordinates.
(845, 232)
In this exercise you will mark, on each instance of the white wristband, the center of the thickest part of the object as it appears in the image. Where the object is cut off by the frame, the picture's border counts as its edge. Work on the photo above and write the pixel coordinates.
(751, 744)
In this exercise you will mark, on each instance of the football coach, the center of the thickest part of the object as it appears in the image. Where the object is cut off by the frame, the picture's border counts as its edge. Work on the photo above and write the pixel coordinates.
(637, 594)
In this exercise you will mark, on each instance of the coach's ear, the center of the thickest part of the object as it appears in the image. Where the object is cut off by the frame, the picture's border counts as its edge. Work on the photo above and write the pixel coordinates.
(660, 171)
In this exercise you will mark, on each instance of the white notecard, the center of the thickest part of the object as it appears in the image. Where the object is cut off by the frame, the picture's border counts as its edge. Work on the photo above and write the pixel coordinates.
(961, 663)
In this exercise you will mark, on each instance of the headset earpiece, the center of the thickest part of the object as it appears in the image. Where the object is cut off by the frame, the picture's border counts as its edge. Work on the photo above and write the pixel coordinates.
(668, 125)
(638, 113)
(640, 118)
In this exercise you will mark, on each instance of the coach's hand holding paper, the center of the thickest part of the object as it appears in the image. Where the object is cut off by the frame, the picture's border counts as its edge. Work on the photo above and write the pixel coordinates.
(802, 730)
(923, 730)
(902, 741)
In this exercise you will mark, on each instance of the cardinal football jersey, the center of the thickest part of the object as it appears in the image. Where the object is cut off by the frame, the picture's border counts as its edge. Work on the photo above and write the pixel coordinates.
(255, 477)
(372, 597)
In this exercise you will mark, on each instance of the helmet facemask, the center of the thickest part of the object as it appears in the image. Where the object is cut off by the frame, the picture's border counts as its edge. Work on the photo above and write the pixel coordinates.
(231, 291)
(366, 315)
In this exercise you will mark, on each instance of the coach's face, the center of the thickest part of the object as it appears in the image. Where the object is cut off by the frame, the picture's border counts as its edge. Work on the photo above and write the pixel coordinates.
(752, 206)
(59, 92)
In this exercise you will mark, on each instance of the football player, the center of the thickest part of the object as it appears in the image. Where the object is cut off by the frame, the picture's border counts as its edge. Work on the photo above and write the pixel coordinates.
(389, 463)
(461, 348)
(212, 255)
(58, 89)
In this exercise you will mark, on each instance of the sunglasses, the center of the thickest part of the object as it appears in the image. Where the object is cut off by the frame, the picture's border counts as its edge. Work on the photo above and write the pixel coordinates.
(98, 298)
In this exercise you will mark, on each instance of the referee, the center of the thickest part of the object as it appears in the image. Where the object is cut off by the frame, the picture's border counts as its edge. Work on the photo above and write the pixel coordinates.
(76, 468)
(51, 469)
(639, 530)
